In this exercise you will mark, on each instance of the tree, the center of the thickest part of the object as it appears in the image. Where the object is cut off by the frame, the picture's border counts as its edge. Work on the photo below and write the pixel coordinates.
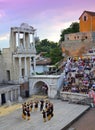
(74, 27)
(56, 55)
(43, 46)
(52, 50)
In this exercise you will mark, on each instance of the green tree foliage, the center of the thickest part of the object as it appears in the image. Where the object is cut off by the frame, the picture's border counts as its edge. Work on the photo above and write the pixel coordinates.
(51, 49)
(56, 55)
(43, 46)
(74, 27)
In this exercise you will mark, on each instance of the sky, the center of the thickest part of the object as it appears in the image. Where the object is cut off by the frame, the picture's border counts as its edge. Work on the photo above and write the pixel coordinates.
(49, 17)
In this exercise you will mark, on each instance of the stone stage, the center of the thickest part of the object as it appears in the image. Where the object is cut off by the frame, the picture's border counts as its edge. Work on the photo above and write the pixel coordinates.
(64, 115)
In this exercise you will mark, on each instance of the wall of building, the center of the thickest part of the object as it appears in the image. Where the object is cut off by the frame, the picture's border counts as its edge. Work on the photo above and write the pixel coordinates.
(24, 89)
(88, 25)
(80, 36)
(93, 23)
(7, 62)
(41, 68)
(9, 93)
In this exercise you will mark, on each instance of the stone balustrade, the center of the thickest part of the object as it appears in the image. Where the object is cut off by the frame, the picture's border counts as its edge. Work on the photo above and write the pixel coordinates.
(76, 98)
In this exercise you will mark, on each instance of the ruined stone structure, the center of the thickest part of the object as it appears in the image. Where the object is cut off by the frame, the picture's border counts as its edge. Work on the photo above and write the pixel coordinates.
(83, 40)
(53, 84)
(17, 67)
(9, 93)
(23, 51)
(16, 61)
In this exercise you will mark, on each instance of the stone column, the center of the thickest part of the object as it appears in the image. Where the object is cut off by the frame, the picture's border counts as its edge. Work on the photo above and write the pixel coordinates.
(18, 39)
(34, 62)
(33, 46)
(7, 96)
(25, 68)
(16, 94)
(33, 38)
(20, 72)
(11, 96)
(18, 91)
(14, 67)
(28, 40)
(30, 66)
(24, 40)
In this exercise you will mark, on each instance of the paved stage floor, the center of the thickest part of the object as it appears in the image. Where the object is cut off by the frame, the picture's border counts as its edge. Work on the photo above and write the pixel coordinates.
(64, 114)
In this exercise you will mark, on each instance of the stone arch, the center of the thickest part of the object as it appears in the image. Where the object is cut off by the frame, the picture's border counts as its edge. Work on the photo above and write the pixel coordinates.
(41, 87)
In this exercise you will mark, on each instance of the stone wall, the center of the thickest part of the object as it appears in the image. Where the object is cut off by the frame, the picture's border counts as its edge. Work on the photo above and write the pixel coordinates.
(9, 93)
(76, 44)
(52, 82)
(80, 36)
(1, 69)
(77, 47)
(7, 63)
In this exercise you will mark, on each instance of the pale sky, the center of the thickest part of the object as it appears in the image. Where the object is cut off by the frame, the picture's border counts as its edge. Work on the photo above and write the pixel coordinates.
(49, 17)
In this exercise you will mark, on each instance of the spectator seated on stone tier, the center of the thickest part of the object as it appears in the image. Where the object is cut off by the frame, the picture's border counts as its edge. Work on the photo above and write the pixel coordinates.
(85, 83)
(74, 89)
(66, 89)
(84, 89)
(93, 86)
(78, 75)
(87, 68)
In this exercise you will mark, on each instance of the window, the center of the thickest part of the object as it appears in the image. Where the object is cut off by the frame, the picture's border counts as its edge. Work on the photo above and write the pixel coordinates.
(75, 37)
(85, 18)
(8, 75)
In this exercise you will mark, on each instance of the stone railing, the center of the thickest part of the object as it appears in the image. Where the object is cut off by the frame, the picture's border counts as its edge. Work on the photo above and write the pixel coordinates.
(76, 98)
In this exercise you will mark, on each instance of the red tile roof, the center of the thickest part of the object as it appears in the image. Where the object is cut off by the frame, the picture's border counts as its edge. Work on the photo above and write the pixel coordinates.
(45, 61)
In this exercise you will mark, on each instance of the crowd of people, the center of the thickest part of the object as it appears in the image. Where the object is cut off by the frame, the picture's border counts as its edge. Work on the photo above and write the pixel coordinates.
(79, 75)
(44, 106)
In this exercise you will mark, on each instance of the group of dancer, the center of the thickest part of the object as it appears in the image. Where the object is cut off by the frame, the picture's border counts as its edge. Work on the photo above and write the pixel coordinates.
(45, 107)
